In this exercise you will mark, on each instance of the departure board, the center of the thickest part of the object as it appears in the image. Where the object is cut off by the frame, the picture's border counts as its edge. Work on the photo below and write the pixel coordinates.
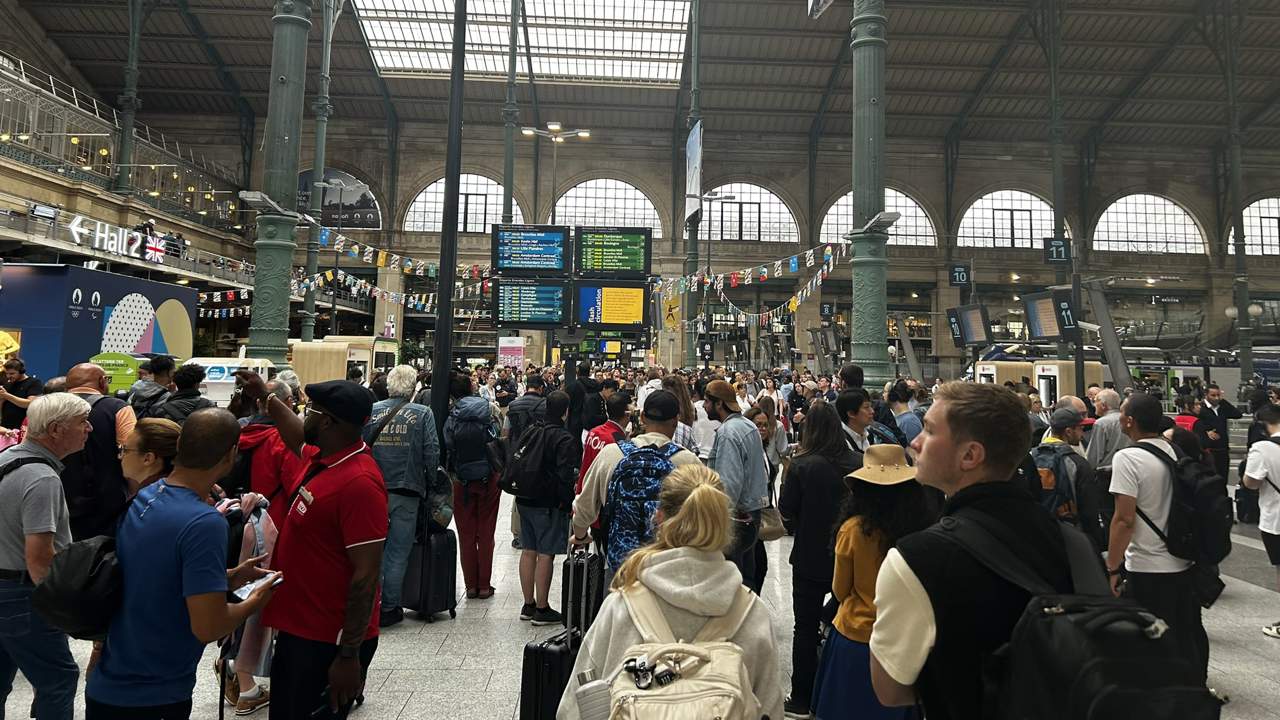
(613, 252)
(612, 306)
(970, 325)
(1042, 317)
(541, 250)
(534, 304)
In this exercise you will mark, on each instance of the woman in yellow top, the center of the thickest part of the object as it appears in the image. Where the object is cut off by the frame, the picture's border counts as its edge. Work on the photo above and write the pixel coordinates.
(885, 503)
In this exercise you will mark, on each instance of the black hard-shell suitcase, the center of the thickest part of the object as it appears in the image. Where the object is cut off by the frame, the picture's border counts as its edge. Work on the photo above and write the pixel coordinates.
(545, 674)
(431, 577)
(582, 590)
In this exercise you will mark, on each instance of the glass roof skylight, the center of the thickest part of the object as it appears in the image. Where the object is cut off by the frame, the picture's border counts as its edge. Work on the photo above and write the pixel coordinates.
(588, 41)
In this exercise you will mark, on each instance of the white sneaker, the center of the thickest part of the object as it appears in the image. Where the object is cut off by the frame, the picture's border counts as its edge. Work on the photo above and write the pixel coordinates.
(1272, 630)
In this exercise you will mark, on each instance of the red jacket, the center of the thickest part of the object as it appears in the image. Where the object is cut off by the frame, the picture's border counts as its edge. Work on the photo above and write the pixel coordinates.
(1186, 422)
(599, 437)
(274, 469)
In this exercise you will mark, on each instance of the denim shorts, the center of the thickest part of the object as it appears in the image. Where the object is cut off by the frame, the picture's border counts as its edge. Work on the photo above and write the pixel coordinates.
(543, 530)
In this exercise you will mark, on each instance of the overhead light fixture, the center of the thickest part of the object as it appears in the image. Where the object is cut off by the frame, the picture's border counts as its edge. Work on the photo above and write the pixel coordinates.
(5, 137)
(75, 140)
(584, 133)
(554, 126)
(1015, 277)
(1017, 299)
(528, 131)
(104, 152)
(183, 281)
(175, 174)
(1151, 281)
(558, 138)
(191, 188)
(915, 295)
(208, 196)
(154, 193)
(237, 227)
(231, 206)
(86, 167)
(153, 167)
(202, 212)
(24, 136)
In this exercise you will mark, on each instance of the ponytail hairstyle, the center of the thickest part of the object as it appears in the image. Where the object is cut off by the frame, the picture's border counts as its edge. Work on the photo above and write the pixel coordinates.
(695, 514)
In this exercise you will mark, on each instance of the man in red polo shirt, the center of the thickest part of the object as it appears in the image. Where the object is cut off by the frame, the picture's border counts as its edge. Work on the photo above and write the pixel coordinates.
(326, 612)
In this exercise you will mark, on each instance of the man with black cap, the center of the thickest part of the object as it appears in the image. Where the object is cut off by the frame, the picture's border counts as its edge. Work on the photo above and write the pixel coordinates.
(330, 549)
(1064, 478)
(739, 459)
(642, 463)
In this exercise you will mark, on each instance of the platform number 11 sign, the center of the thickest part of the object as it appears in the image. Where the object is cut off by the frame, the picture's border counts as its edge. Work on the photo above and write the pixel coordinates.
(961, 275)
(1057, 251)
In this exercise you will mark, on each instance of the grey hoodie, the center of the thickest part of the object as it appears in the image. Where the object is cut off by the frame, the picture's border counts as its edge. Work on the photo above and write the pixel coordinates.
(691, 586)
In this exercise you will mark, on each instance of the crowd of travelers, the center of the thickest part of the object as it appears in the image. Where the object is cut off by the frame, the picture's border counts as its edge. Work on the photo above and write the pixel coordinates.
(286, 526)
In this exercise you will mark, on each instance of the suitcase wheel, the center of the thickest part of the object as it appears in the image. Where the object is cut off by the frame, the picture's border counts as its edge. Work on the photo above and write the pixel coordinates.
(359, 699)
(429, 618)
(453, 614)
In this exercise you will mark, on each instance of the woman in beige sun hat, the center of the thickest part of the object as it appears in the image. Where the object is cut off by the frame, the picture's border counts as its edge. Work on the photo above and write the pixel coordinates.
(885, 503)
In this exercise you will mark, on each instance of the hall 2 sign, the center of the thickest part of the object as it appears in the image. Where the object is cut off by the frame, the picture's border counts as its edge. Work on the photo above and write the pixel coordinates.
(116, 240)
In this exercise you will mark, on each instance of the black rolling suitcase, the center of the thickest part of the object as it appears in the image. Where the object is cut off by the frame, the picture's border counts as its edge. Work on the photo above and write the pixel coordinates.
(582, 588)
(548, 663)
(431, 577)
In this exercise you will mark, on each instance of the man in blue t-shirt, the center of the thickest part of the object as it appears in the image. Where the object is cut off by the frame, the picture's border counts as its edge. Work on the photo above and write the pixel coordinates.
(172, 548)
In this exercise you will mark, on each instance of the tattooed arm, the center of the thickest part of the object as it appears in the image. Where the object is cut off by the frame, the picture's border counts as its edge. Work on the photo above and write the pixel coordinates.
(345, 672)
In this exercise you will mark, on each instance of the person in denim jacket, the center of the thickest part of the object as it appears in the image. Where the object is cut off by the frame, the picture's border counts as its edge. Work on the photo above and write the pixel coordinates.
(408, 453)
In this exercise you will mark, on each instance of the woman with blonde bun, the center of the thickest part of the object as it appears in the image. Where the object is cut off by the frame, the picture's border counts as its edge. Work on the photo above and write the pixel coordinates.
(685, 573)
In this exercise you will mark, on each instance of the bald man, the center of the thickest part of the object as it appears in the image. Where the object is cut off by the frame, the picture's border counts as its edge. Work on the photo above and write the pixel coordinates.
(1074, 403)
(94, 483)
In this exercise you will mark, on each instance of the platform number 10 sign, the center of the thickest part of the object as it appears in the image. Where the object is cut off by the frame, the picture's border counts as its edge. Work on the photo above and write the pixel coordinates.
(961, 275)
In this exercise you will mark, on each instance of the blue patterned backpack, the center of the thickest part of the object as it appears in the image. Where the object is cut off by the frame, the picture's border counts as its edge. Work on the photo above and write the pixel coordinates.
(632, 497)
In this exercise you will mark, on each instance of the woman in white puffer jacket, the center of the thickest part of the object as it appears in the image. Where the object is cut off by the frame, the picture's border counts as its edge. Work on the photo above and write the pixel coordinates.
(684, 569)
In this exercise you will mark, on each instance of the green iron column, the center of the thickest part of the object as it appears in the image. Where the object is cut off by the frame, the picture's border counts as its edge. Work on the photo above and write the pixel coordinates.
(1233, 15)
(274, 246)
(510, 116)
(868, 44)
(694, 221)
(129, 102)
(323, 110)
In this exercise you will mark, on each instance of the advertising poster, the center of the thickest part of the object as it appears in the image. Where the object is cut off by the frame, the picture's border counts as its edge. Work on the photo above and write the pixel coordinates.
(611, 306)
(348, 209)
(511, 351)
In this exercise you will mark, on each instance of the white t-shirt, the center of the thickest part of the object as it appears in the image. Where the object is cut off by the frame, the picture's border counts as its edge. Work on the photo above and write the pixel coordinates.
(1264, 464)
(1139, 474)
(905, 629)
(704, 430)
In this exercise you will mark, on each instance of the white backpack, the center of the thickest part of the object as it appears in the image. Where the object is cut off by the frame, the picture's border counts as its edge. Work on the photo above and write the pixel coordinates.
(665, 678)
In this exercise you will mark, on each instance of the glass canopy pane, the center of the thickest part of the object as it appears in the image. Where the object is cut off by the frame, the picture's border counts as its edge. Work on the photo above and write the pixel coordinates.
(589, 41)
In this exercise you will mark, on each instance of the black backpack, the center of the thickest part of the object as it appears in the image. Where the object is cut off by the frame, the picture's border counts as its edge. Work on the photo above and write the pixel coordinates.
(1084, 656)
(469, 450)
(523, 476)
(1200, 516)
(83, 590)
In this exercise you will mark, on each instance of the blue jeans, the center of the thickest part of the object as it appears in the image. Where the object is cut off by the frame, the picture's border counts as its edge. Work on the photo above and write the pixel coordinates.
(39, 651)
(402, 513)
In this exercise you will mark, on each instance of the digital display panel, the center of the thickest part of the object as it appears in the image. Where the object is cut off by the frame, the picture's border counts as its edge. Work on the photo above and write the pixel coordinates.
(611, 306)
(613, 252)
(1042, 316)
(531, 250)
(530, 303)
(970, 325)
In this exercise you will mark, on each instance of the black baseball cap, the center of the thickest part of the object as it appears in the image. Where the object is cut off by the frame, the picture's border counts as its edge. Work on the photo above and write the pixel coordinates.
(344, 400)
(661, 406)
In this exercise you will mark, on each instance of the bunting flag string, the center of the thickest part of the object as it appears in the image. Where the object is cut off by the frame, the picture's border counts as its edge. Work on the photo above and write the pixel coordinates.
(222, 296)
(422, 302)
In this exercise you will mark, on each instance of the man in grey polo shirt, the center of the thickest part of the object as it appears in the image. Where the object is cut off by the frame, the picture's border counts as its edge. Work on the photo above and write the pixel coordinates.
(35, 524)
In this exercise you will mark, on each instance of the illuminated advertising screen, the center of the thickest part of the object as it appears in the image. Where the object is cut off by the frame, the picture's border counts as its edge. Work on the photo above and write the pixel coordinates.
(531, 250)
(611, 306)
(530, 304)
(613, 252)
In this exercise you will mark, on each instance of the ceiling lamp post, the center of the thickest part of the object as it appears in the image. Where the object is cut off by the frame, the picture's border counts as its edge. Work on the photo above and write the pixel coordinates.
(274, 245)
(556, 133)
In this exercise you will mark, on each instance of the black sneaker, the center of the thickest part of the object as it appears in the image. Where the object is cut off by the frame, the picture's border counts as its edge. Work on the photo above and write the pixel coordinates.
(389, 617)
(527, 611)
(795, 710)
(547, 616)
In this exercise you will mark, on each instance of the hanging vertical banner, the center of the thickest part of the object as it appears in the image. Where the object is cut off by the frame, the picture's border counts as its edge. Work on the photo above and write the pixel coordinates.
(693, 172)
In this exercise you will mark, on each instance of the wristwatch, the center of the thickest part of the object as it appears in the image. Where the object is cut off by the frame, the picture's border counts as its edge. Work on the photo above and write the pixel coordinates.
(346, 652)
(1117, 571)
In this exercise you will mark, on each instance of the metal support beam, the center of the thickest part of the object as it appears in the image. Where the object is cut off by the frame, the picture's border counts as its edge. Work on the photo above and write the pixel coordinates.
(537, 109)
(442, 357)
(868, 43)
(510, 116)
(269, 330)
(229, 84)
(815, 135)
(989, 76)
(129, 102)
(1269, 105)
(677, 148)
(950, 166)
(1047, 23)
(323, 110)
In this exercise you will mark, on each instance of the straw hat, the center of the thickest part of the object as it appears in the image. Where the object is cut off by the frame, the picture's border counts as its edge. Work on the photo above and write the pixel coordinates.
(884, 465)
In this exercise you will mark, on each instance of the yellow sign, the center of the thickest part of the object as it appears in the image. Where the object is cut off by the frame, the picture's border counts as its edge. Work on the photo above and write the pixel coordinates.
(621, 306)
(671, 313)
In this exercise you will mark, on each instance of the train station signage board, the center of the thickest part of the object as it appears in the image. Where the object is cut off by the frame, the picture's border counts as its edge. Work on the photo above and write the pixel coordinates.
(115, 240)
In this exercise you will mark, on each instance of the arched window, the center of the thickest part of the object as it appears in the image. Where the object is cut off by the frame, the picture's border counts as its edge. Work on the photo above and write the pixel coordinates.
(753, 215)
(913, 228)
(609, 203)
(1007, 219)
(479, 206)
(1261, 228)
(1144, 223)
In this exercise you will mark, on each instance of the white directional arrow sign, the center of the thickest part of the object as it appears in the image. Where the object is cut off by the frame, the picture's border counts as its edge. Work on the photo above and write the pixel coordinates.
(76, 229)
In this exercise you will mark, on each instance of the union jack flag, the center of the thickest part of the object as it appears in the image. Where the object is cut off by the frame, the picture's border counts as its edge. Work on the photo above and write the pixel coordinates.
(155, 250)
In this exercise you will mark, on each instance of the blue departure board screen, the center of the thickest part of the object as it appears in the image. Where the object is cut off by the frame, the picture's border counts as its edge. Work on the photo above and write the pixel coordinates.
(611, 305)
(540, 250)
(531, 304)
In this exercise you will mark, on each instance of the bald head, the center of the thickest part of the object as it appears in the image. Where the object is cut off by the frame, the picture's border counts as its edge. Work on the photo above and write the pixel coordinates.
(208, 439)
(86, 375)
(1073, 402)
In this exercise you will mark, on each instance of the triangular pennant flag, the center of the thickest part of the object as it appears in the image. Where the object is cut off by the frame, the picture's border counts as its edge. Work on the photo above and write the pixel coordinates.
(792, 303)
(324, 237)
(368, 254)
(382, 258)
(808, 258)
(733, 279)
(339, 244)
(795, 263)
(747, 277)
(764, 273)
(354, 250)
